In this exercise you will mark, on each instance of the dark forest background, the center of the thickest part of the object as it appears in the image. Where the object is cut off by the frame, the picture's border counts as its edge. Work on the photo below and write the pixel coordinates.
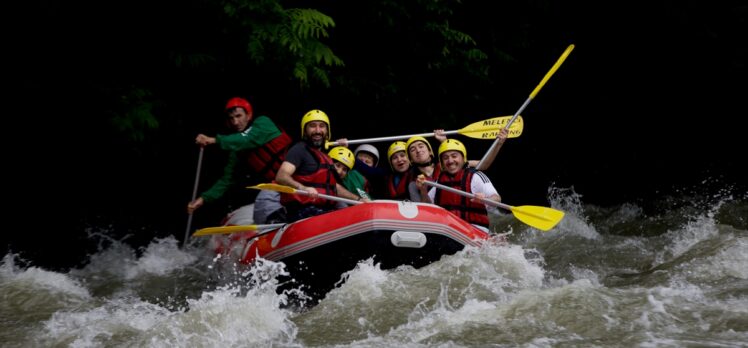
(107, 98)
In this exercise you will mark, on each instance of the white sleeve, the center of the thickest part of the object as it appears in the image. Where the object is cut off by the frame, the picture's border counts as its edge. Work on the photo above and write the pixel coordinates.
(482, 184)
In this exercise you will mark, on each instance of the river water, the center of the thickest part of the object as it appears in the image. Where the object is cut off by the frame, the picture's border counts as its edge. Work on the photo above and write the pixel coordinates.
(666, 273)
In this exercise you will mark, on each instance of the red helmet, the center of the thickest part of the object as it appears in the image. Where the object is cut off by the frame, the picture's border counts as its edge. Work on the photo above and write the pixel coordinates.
(237, 102)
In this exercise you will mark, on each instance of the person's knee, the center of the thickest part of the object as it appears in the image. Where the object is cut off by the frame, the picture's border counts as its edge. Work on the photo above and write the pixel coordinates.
(277, 216)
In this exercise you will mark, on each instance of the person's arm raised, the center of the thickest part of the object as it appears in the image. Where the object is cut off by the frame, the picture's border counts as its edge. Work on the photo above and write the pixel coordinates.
(491, 155)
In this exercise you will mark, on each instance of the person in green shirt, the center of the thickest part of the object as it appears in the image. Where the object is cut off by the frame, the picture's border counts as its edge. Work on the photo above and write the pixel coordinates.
(351, 179)
(256, 149)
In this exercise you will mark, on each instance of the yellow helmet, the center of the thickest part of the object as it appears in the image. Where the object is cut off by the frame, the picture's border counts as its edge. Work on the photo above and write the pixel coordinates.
(315, 115)
(413, 140)
(343, 155)
(396, 147)
(452, 145)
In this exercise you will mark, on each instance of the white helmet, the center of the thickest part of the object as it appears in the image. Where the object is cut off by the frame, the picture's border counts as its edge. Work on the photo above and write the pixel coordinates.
(370, 149)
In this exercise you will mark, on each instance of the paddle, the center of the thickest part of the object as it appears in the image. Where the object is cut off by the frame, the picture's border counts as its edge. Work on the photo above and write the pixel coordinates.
(486, 129)
(532, 95)
(233, 229)
(194, 194)
(291, 190)
(541, 218)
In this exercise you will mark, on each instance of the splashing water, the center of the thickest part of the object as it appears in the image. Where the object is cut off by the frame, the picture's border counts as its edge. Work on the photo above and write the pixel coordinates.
(669, 272)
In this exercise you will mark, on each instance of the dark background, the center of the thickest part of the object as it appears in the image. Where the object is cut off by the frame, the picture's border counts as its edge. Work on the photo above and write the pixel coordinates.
(651, 101)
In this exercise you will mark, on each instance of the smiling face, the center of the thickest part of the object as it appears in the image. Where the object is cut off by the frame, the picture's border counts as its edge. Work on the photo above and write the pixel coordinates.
(452, 161)
(400, 162)
(316, 132)
(419, 152)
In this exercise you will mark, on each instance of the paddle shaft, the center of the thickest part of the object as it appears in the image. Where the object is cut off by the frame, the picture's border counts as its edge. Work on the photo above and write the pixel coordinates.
(539, 217)
(485, 129)
(290, 190)
(194, 194)
(468, 194)
(328, 197)
(394, 137)
(527, 101)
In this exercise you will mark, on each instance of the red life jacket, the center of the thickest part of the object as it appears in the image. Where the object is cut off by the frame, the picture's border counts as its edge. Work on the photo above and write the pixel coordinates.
(324, 180)
(472, 212)
(401, 191)
(266, 159)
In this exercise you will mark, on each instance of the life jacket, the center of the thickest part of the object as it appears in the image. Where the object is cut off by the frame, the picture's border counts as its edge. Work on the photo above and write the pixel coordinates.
(399, 192)
(266, 159)
(415, 172)
(324, 180)
(472, 212)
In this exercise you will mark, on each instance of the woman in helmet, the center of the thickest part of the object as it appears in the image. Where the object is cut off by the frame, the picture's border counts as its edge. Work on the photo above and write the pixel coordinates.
(257, 148)
(396, 183)
(352, 180)
(422, 160)
(456, 174)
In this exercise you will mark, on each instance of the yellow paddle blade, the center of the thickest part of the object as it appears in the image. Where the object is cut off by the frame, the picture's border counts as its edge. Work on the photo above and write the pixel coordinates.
(234, 229)
(274, 187)
(542, 218)
(552, 71)
(224, 230)
(489, 129)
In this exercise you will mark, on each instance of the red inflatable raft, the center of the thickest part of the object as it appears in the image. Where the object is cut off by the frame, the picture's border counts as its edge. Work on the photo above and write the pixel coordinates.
(318, 250)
